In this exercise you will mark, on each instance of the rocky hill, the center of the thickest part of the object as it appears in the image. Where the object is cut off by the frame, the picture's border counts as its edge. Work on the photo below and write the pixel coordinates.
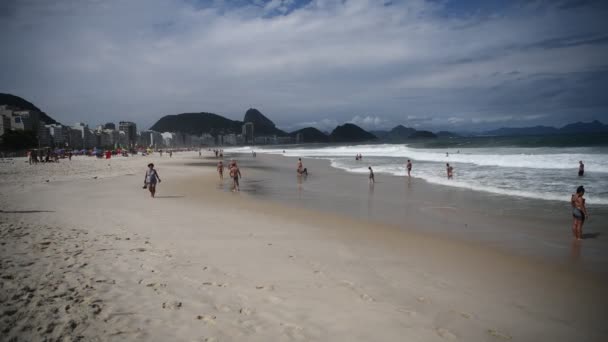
(311, 135)
(261, 124)
(350, 133)
(197, 124)
(18, 102)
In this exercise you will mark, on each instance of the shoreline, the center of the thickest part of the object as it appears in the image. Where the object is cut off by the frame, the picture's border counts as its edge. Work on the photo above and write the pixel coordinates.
(198, 263)
(515, 225)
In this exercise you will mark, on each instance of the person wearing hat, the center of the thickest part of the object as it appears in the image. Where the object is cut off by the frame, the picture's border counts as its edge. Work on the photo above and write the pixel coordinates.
(579, 212)
(150, 179)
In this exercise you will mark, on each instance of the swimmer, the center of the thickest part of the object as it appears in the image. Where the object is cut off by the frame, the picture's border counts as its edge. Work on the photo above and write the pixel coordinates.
(409, 167)
(579, 212)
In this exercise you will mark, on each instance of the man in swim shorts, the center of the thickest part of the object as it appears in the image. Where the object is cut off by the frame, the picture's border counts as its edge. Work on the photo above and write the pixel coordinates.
(409, 167)
(371, 175)
(581, 168)
(235, 173)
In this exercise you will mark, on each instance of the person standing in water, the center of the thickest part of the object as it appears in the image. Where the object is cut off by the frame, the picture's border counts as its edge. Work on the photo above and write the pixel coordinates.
(581, 168)
(372, 180)
(579, 212)
(220, 169)
(409, 167)
(150, 179)
(450, 171)
(235, 173)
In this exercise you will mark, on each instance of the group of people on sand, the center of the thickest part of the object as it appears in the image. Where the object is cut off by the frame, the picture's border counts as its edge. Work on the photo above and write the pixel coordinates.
(577, 201)
(235, 173)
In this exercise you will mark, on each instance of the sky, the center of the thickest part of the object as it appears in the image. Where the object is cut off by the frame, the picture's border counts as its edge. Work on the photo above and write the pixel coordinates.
(437, 65)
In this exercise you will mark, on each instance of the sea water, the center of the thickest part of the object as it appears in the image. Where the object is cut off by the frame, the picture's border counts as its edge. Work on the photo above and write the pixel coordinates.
(540, 172)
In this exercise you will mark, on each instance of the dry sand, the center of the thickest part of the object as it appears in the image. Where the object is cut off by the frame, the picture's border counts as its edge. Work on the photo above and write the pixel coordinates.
(89, 256)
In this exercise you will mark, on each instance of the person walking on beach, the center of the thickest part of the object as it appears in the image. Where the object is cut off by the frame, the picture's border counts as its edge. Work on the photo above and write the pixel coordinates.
(220, 169)
(151, 179)
(409, 167)
(579, 212)
(171, 154)
(450, 171)
(372, 180)
(235, 174)
(581, 168)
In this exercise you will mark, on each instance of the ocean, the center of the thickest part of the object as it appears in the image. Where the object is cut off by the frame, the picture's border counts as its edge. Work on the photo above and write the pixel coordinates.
(542, 168)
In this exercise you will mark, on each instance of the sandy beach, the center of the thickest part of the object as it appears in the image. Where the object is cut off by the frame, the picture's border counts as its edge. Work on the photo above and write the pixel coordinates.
(87, 255)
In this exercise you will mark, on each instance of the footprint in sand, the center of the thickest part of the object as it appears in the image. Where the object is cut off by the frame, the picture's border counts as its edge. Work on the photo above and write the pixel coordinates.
(293, 331)
(499, 334)
(246, 311)
(174, 305)
(207, 319)
(408, 312)
(445, 333)
(423, 299)
(364, 296)
(212, 283)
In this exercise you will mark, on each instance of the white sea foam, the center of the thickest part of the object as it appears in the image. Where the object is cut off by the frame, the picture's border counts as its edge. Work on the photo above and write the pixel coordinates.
(540, 173)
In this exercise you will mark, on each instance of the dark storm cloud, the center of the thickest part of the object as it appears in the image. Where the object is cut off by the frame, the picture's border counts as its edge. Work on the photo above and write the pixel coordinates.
(434, 64)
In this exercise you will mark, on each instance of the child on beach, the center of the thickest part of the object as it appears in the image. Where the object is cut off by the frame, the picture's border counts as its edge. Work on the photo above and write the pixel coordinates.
(579, 212)
(220, 169)
(150, 179)
(450, 171)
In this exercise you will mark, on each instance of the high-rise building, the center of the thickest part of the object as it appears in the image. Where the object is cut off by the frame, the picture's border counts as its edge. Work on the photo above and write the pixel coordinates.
(130, 130)
(110, 125)
(58, 134)
(75, 138)
(44, 136)
(5, 124)
(248, 132)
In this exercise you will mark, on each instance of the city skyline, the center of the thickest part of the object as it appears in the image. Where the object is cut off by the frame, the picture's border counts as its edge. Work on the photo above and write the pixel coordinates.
(462, 66)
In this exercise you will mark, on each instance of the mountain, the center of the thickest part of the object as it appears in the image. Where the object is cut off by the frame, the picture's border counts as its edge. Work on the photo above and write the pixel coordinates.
(536, 130)
(197, 124)
(350, 133)
(311, 135)
(447, 134)
(573, 128)
(261, 124)
(422, 135)
(16, 101)
(583, 127)
(400, 132)
(379, 134)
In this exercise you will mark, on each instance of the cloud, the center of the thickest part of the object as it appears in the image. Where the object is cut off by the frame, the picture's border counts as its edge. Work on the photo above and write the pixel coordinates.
(372, 122)
(314, 62)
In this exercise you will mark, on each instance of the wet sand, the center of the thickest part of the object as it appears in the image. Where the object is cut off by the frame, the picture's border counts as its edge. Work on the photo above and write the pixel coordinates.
(89, 256)
(516, 225)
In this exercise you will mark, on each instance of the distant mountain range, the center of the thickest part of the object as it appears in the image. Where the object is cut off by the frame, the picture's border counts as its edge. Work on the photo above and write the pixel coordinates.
(573, 128)
(214, 124)
(200, 123)
(18, 102)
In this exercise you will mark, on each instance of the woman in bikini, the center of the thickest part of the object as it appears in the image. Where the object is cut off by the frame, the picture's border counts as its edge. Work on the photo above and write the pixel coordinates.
(579, 212)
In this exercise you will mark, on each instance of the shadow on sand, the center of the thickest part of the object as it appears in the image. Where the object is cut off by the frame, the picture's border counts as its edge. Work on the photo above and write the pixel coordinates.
(591, 235)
